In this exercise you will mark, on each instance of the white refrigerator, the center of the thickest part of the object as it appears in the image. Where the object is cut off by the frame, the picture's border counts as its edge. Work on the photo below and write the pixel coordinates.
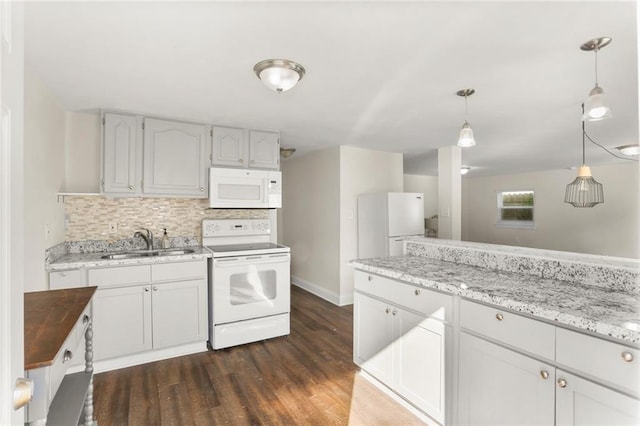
(385, 218)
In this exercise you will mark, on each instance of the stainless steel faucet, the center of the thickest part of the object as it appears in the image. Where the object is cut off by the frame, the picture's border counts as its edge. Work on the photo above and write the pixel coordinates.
(147, 238)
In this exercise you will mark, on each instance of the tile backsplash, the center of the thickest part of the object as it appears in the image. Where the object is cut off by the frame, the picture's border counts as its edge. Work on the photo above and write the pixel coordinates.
(90, 217)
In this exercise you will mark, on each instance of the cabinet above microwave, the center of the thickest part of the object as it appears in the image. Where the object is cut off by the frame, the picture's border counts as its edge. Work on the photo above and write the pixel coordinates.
(244, 189)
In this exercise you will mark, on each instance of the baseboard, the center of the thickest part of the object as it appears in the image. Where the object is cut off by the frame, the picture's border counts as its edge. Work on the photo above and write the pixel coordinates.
(319, 291)
(144, 357)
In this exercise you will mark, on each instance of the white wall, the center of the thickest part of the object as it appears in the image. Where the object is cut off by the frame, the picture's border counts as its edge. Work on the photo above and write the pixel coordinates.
(82, 152)
(44, 170)
(310, 217)
(611, 228)
(428, 185)
(361, 171)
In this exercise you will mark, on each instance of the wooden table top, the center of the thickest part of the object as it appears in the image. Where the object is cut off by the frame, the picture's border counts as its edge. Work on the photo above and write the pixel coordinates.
(49, 317)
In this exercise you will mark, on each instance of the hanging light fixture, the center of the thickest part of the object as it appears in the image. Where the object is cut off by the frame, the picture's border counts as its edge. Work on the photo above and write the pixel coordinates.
(584, 191)
(279, 74)
(595, 107)
(630, 150)
(287, 152)
(466, 139)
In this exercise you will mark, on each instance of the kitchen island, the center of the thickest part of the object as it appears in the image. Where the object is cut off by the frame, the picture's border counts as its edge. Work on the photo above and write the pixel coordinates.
(505, 314)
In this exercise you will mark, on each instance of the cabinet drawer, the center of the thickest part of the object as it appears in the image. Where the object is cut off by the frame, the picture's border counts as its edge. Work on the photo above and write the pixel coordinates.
(178, 270)
(601, 359)
(71, 278)
(120, 275)
(520, 332)
(427, 302)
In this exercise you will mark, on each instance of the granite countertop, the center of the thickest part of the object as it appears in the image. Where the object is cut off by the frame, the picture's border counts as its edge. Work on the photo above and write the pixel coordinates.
(604, 311)
(49, 317)
(91, 260)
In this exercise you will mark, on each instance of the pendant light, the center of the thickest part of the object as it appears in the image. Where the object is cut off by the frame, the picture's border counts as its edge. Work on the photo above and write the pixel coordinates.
(279, 74)
(584, 191)
(595, 107)
(466, 139)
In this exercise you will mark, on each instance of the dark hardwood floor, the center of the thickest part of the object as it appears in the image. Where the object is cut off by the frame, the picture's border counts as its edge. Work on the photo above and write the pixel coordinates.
(307, 377)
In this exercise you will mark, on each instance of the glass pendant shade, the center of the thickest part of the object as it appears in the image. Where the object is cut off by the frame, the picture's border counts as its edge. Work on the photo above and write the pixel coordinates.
(279, 75)
(630, 150)
(595, 108)
(466, 139)
(584, 191)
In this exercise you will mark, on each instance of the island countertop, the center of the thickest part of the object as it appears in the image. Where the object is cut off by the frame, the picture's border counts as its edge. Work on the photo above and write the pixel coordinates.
(600, 310)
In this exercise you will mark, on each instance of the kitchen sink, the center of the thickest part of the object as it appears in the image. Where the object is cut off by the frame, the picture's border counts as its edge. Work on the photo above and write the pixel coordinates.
(147, 253)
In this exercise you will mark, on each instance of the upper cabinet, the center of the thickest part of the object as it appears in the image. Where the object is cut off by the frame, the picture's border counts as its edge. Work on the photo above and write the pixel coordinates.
(233, 147)
(175, 158)
(121, 154)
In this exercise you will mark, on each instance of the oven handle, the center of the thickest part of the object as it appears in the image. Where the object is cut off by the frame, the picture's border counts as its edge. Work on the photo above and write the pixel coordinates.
(251, 260)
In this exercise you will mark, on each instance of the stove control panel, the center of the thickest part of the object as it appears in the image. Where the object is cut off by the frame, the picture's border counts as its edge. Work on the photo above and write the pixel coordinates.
(233, 227)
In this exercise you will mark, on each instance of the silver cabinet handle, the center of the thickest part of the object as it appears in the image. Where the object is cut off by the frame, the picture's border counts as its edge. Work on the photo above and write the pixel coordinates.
(394, 312)
(201, 189)
(499, 317)
(146, 289)
(370, 278)
(417, 292)
(240, 160)
(155, 288)
(544, 374)
(63, 274)
(562, 383)
(131, 187)
(627, 356)
(85, 319)
(387, 310)
(67, 356)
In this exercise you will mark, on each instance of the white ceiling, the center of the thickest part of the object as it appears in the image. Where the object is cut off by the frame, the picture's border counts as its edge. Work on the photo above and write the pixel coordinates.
(380, 75)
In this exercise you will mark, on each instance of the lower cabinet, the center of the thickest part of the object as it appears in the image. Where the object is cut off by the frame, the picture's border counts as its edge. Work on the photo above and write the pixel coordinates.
(497, 386)
(403, 350)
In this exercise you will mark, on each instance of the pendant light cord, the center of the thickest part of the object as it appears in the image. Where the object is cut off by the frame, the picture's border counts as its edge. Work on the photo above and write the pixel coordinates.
(596, 53)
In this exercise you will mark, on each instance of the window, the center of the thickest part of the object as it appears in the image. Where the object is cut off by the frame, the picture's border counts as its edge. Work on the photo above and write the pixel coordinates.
(515, 209)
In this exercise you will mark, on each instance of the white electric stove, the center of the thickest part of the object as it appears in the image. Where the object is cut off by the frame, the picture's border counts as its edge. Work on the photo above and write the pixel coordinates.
(249, 286)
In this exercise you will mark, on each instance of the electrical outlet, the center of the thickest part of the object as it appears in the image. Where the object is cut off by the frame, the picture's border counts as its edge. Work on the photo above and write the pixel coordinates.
(113, 227)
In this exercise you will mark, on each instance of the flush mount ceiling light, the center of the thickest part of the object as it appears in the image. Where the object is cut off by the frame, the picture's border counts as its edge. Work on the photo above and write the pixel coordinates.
(464, 170)
(584, 191)
(630, 150)
(287, 152)
(466, 139)
(595, 107)
(279, 75)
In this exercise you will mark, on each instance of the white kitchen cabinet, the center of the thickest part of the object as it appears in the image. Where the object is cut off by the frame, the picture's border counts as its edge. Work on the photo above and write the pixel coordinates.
(121, 164)
(69, 278)
(233, 147)
(400, 339)
(580, 402)
(498, 386)
(175, 158)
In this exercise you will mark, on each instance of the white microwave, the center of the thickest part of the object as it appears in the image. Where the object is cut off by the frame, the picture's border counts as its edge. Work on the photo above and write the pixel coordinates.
(245, 189)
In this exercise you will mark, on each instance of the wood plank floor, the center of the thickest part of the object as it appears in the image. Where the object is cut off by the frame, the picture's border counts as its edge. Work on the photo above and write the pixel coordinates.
(307, 377)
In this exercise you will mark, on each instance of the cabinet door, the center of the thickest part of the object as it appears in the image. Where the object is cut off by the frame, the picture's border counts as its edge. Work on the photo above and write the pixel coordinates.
(418, 365)
(175, 158)
(500, 387)
(372, 337)
(229, 147)
(264, 150)
(121, 154)
(580, 402)
(121, 321)
(179, 313)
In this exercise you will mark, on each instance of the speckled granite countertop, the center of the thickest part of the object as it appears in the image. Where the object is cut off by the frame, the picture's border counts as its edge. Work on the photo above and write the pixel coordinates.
(93, 260)
(604, 311)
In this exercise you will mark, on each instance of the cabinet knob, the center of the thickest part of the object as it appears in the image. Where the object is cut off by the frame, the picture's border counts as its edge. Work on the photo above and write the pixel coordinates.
(63, 274)
(85, 319)
(240, 160)
(499, 317)
(370, 278)
(201, 189)
(146, 289)
(387, 310)
(155, 288)
(627, 356)
(394, 312)
(131, 187)
(562, 383)
(544, 374)
(252, 162)
(67, 356)
(417, 292)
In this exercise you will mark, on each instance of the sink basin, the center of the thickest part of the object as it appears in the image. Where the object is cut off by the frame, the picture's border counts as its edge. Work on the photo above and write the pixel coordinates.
(147, 253)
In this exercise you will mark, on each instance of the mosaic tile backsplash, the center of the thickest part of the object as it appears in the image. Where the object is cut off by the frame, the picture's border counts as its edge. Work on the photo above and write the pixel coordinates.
(90, 217)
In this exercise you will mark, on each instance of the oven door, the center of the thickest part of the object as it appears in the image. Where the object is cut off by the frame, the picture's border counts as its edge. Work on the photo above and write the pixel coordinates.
(246, 287)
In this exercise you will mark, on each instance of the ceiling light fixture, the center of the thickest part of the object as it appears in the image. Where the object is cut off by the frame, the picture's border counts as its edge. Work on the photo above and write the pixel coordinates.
(287, 152)
(464, 170)
(595, 106)
(279, 74)
(466, 139)
(630, 150)
(584, 191)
